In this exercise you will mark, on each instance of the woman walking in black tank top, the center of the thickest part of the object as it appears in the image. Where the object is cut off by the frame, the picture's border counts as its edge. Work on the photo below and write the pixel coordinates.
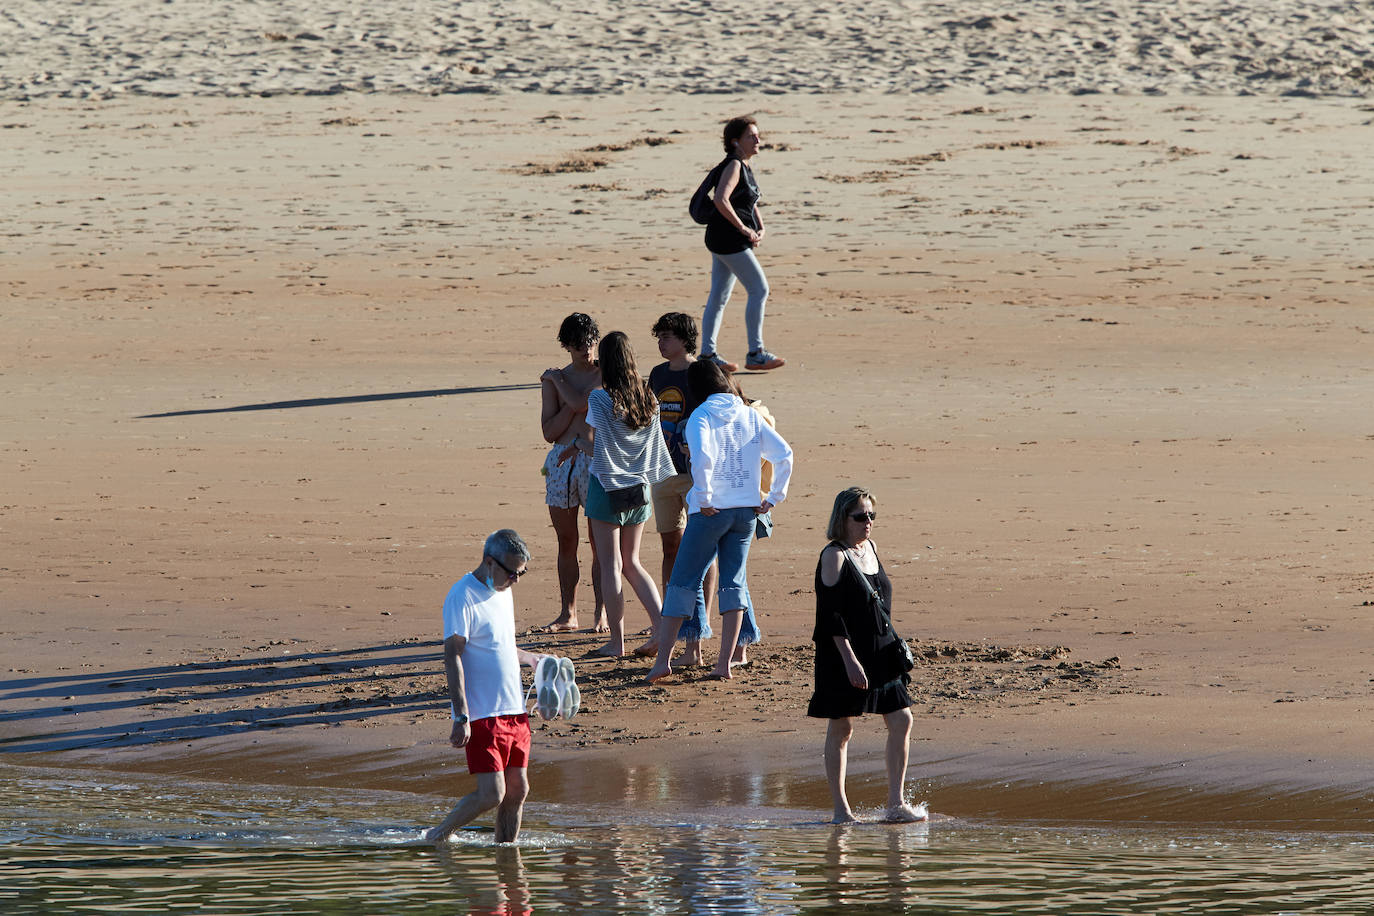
(734, 229)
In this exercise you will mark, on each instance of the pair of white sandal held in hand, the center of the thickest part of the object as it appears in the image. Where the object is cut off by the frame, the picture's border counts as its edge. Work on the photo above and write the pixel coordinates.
(555, 688)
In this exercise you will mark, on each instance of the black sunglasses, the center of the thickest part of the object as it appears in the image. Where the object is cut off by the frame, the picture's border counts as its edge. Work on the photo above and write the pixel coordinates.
(857, 516)
(511, 574)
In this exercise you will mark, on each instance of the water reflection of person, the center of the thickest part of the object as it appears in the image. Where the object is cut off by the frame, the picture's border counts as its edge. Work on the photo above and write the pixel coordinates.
(849, 868)
(852, 675)
(509, 896)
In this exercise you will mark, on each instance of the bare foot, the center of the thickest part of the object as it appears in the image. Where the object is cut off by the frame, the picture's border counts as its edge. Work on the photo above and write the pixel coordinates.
(686, 660)
(905, 814)
(717, 675)
(599, 625)
(846, 817)
(740, 658)
(564, 624)
(648, 650)
(657, 673)
(608, 651)
(432, 835)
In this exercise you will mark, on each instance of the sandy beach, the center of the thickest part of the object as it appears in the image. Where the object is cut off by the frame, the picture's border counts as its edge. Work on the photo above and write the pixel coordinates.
(271, 356)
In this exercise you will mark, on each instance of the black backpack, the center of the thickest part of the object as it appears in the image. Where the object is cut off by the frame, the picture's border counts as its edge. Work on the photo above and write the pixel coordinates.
(703, 203)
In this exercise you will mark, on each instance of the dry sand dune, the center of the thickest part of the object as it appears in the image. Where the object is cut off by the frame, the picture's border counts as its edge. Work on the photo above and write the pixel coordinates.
(204, 47)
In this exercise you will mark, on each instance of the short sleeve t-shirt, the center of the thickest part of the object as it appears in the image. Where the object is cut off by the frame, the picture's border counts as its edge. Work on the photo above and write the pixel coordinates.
(675, 405)
(491, 668)
(625, 457)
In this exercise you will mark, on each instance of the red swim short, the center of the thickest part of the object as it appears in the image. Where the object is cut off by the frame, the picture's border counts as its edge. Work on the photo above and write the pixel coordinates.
(499, 743)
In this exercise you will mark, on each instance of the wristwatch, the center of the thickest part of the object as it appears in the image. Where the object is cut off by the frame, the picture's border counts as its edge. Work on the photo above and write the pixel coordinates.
(460, 720)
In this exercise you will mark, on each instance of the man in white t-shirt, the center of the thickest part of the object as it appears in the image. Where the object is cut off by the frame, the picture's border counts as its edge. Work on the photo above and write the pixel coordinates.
(483, 663)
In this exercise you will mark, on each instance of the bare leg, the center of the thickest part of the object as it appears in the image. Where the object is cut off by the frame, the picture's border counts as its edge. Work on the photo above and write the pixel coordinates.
(667, 638)
(729, 634)
(692, 649)
(837, 735)
(898, 743)
(606, 537)
(569, 571)
(639, 579)
(599, 620)
(671, 540)
(488, 794)
(512, 807)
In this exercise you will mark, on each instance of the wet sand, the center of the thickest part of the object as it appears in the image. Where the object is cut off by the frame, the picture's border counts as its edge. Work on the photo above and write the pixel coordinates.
(271, 373)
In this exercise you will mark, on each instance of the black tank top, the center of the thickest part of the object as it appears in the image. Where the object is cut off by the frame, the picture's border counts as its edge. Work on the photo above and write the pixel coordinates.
(723, 238)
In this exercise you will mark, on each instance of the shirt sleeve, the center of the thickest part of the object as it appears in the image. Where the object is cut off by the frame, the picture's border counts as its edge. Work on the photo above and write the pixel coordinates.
(660, 464)
(702, 459)
(597, 403)
(457, 620)
(775, 450)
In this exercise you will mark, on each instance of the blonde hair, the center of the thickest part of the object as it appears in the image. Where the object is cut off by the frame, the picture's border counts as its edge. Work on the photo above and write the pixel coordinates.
(845, 501)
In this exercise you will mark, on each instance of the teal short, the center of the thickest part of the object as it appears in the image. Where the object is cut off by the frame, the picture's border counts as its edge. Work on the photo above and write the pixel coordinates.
(598, 506)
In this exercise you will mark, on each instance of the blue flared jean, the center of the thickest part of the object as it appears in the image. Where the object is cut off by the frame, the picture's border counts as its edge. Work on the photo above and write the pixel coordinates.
(725, 536)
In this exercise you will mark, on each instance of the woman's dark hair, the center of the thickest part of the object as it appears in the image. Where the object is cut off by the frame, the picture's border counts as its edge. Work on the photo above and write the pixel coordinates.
(734, 129)
(680, 325)
(578, 330)
(631, 396)
(705, 378)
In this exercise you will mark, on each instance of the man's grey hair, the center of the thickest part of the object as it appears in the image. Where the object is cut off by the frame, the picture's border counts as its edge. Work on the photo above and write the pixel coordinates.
(506, 543)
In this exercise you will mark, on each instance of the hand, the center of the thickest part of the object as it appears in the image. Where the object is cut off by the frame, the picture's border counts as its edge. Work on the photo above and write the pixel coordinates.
(552, 375)
(708, 511)
(765, 506)
(753, 237)
(857, 678)
(567, 453)
(758, 237)
(462, 731)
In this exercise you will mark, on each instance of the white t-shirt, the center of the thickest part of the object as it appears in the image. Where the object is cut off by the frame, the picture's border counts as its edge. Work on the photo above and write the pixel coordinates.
(491, 669)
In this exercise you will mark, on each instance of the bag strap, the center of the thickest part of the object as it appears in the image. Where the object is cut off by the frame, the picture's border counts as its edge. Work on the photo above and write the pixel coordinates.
(868, 586)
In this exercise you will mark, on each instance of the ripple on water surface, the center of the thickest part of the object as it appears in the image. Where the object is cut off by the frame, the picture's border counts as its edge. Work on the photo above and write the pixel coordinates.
(132, 845)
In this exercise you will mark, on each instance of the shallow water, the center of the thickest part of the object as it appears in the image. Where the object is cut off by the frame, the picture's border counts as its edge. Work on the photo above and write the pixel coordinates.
(89, 844)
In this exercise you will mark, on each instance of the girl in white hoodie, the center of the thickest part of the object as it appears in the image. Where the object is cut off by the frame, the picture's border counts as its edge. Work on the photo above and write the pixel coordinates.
(727, 441)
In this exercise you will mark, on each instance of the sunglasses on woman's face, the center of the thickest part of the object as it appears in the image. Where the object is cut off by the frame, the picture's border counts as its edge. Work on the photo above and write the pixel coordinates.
(865, 516)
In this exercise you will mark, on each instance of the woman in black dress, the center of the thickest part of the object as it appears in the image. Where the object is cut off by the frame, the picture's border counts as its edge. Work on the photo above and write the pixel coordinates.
(853, 675)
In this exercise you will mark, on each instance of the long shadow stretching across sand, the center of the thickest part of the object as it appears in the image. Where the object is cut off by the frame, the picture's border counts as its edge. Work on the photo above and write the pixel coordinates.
(348, 399)
(249, 683)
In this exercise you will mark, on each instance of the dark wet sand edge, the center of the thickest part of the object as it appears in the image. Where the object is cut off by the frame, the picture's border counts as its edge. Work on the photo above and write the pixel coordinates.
(1228, 791)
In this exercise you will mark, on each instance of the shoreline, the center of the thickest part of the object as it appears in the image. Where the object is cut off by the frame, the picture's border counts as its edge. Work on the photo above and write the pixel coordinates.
(1232, 792)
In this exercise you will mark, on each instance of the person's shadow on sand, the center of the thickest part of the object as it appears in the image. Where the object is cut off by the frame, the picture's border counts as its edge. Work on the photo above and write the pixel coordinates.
(206, 699)
(344, 399)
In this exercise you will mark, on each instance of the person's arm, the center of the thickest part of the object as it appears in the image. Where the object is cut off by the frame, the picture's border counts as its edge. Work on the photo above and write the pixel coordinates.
(857, 677)
(555, 413)
(529, 658)
(453, 669)
(702, 462)
(775, 450)
(728, 179)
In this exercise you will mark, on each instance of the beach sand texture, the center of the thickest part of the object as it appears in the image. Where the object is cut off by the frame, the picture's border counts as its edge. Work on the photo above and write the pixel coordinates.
(271, 366)
(106, 48)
